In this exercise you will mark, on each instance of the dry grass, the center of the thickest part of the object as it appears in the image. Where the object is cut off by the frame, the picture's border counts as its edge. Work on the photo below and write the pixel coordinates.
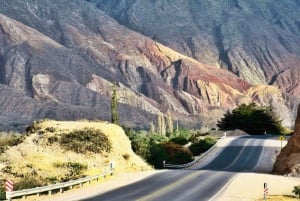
(37, 157)
(279, 198)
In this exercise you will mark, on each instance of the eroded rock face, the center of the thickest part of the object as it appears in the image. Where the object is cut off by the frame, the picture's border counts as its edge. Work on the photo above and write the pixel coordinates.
(257, 40)
(60, 58)
(288, 161)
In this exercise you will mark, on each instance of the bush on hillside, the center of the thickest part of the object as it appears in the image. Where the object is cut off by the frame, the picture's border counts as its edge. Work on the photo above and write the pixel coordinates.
(202, 146)
(75, 169)
(179, 140)
(155, 148)
(252, 119)
(296, 191)
(28, 182)
(8, 140)
(142, 141)
(181, 133)
(85, 140)
(169, 152)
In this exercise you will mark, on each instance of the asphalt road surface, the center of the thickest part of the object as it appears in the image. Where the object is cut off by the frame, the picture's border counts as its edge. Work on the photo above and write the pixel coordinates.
(199, 183)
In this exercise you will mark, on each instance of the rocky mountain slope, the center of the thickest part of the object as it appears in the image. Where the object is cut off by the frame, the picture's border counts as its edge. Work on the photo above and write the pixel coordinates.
(257, 40)
(288, 161)
(60, 59)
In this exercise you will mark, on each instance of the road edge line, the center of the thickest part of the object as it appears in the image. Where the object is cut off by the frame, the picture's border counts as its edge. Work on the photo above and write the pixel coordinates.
(222, 190)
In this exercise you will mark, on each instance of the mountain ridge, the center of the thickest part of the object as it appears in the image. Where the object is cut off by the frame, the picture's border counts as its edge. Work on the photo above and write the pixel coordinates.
(256, 40)
(75, 53)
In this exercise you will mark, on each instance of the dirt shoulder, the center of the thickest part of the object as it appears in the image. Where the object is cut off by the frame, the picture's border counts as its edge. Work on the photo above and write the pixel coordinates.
(249, 186)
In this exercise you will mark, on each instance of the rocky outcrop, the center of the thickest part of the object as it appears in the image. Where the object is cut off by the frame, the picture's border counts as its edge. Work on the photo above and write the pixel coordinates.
(288, 161)
(59, 59)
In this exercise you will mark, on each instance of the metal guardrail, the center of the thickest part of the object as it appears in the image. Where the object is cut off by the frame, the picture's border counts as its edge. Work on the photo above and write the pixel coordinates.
(197, 158)
(60, 186)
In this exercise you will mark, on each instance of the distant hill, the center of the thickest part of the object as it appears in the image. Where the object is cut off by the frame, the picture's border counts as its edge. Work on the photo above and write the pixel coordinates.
(59, 59)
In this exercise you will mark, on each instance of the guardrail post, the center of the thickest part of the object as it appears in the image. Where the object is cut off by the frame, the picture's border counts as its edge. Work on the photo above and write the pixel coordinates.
(8, 197)
(112, 167)
(164, 163)
(24, 193)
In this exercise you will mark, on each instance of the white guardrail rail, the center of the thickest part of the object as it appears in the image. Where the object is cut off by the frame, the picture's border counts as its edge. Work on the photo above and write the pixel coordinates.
(197, 158)
(60, 186)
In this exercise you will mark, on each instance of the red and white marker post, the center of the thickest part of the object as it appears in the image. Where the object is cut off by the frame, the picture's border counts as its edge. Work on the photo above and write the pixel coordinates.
(266, 191)
(9, 185)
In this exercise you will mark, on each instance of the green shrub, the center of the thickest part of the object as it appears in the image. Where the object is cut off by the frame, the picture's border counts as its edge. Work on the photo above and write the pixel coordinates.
(28, 182)
(126, 156)
(169, 152)
(296, 191)
(142, 141)
(202, 145)
(181, 133)
(179, 140)
(52, 139)
(2, 189)
(244, 117)
(157, 155)
(9, 140)
(177, 154)
(34, 127)
(75, 169)
(85, 140)
(52, 180)
(50, 129)
(2, 194)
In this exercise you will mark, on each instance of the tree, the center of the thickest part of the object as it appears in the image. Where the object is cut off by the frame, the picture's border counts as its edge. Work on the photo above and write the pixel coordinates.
(114, 106)
(252, 119)
(161, 126)
(170, 127)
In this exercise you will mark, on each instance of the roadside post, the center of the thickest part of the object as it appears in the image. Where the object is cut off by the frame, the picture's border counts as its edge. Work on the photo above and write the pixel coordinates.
(266, 191)
(112, 167)
(9, 187)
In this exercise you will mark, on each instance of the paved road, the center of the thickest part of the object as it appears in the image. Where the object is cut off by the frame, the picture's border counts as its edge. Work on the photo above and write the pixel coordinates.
(200, 183)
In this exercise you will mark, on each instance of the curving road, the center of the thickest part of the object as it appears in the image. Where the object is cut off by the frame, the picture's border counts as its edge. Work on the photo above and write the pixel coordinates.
(202, 182)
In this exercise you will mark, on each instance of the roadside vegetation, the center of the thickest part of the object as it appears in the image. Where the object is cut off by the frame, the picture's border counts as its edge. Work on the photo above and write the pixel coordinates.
(2, 190)
(253, 119)
(177, 147)
(10, 139)
(296, 191)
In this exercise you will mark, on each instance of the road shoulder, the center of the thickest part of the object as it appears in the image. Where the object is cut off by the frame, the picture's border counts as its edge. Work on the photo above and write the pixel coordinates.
(250, 186)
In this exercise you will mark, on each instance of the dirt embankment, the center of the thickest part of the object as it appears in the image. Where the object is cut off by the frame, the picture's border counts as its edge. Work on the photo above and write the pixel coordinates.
(37, 157)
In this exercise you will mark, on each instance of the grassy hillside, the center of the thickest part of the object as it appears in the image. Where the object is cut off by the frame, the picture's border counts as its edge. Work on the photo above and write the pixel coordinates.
(42, 156)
